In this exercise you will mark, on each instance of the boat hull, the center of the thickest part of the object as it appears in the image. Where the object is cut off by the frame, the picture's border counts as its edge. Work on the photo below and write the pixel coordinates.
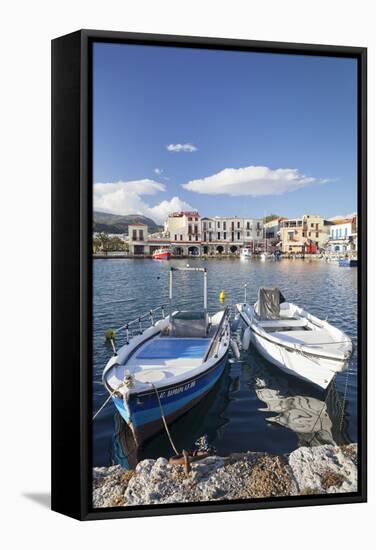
(162, 256)
(307, 368)
(142, 412)
(348, 263)
(304, 359)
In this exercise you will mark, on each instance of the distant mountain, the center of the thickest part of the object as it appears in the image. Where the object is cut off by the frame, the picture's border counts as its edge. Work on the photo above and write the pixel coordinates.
(113, 223)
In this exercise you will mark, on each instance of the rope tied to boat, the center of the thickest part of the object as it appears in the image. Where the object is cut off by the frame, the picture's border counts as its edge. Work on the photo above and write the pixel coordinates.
(107, 400)
(164, 419)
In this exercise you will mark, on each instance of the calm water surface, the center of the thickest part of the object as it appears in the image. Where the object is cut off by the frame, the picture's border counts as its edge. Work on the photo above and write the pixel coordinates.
(254, 406)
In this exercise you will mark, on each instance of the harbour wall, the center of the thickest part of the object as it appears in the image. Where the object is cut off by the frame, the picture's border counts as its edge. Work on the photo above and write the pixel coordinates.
(324, 469)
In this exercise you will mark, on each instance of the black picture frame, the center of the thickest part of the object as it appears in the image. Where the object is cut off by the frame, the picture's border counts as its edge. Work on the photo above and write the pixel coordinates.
(72, 278)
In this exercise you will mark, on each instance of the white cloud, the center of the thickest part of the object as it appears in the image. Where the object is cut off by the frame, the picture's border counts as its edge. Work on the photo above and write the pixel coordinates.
(181, 147)
(252, 180)
(125, 197)
(158, 171)
(160, 211)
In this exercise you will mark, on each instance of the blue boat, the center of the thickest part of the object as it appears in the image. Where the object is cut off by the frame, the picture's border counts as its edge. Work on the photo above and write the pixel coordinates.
(347, 262)
(163, 371)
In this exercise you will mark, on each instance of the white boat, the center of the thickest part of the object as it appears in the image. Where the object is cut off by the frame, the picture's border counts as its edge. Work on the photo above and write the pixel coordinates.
(166, 369)
(294, 340)
(246, 253)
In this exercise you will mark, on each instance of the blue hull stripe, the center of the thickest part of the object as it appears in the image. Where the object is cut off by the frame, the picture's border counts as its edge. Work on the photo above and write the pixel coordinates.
(148, 410)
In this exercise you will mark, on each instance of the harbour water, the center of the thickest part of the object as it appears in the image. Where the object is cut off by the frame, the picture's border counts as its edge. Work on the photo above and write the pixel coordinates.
(254, 406)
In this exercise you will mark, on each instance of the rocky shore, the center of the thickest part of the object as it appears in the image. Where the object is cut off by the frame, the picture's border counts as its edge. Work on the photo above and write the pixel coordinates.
(305, 471)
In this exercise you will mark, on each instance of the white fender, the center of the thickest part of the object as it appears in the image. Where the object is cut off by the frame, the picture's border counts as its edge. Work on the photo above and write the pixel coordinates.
(235, 349)
(235, 323)
(246, 339)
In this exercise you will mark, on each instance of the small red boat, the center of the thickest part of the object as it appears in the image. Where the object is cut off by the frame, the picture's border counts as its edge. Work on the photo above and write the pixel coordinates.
(161, 254)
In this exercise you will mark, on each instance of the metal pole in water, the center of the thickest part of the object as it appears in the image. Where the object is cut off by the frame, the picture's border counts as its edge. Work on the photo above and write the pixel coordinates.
(170, 291)
(245, 293)
(205, 290)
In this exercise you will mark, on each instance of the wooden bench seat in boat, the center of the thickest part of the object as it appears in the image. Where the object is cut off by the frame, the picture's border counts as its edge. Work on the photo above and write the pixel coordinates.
(283, 323)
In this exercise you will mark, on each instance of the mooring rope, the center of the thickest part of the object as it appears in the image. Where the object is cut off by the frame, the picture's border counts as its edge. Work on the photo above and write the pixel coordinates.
(107, 400)
(344, 398)
(164, 419)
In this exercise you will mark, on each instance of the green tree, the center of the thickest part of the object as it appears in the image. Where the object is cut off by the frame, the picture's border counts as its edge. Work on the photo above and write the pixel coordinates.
(270, 217)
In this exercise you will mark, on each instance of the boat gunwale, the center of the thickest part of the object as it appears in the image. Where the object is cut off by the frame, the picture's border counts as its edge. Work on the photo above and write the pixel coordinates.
(256, 329)
(171, 385)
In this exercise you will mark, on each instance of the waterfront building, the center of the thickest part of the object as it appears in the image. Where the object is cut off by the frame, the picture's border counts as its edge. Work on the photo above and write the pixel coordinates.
(183, 230)
(253, 234)
(272, 228)
(306, 235)
(343, 236)
(138, 239)
(229, 234)
(221, 235)
(187, 234)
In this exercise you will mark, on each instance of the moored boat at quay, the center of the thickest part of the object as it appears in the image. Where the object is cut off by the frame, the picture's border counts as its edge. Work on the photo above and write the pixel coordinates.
(294, 340)
(161, 254)
(348, 262)
(246, 253)
(163, 371)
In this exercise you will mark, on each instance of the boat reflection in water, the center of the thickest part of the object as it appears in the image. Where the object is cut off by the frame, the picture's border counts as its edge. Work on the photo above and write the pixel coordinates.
(315, 417)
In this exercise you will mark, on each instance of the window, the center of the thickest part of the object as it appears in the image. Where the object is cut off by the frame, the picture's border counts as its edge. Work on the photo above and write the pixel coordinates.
(232, 236)
(248, 226)
(204, 227)
(218, 224)
(224, 226)
(189, 219)
(204, 236)
(345, 232)
(196, 237)
(312, 225)
(248, 233)
(219, 236)
(232, 226)
(181, 237)
(225, 235)
(189, 237)
(209, 225)
(189, 229)
(238, 225)
(134, 235)
(238, 235)
(141, 234)
(175, 237)
(317, 234)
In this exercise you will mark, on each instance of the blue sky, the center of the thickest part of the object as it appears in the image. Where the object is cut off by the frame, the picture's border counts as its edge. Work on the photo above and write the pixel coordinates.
(249, 133)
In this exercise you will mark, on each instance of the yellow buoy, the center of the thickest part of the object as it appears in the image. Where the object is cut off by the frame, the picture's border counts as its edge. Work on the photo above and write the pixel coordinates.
(222, 295)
